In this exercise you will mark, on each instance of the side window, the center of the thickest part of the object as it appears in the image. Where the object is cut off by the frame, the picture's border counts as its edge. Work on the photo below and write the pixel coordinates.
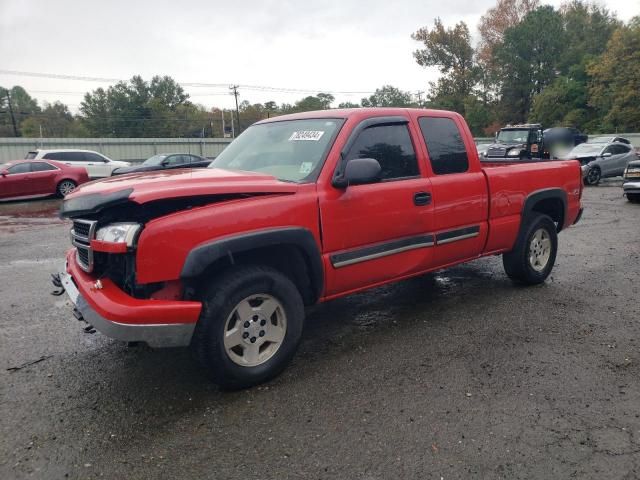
(20, 168)
(93, 157)
(391, 146)
(41, 167)
(53, 156)
(444, 144)
(173, 160)
(620, 149)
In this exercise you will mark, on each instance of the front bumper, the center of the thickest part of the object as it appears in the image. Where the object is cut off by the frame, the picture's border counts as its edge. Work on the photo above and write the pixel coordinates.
(159, 323)
(631, 187)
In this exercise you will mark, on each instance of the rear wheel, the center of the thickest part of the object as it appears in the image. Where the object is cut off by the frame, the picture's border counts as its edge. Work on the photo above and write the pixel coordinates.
(593, 176)
(250, 326)
(633, 197)
(533, 257)
(65, 187)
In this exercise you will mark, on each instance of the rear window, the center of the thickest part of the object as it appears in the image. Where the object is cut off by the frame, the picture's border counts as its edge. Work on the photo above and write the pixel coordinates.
(30, 155)
(447, 152)
(41, 167)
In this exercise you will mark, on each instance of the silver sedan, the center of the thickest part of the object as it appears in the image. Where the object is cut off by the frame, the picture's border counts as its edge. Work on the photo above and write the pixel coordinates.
(602, 160)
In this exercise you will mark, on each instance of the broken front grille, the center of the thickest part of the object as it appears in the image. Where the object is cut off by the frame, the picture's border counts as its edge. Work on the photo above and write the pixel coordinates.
(82, 233)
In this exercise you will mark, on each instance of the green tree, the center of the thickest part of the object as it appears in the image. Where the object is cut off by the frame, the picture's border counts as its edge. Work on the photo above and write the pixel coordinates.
(528, 60)
(348, 105)
(450, 50)
(563, 103)
(388, 96)
(588, 27)
(615, 80)
(137, 108)
(23, 106)
(55, 120)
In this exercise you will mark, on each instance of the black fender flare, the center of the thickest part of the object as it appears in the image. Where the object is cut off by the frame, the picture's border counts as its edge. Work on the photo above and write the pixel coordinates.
(204, 255)
(545, 194)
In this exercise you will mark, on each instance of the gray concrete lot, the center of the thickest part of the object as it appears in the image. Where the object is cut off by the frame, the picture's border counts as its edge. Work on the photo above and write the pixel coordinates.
(458, 374)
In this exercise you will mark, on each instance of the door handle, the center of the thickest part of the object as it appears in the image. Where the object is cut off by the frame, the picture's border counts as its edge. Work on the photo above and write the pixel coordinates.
(422, 198)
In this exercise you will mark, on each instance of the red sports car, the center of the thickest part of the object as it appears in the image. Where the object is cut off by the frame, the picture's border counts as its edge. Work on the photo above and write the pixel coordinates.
(37, 178)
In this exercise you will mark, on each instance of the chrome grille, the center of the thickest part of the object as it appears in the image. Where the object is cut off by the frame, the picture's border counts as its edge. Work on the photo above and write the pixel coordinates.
(82, 233)
(496, 152)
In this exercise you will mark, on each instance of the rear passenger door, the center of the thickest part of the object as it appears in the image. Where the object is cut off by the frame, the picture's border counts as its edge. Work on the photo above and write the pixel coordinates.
(378, 231)
(459, 190)
(97, 166)
(43, 177)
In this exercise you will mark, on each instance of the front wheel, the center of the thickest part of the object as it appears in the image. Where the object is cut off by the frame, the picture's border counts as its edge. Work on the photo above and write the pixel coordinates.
(65, 187)
(633, 197)
(250, 326)
(533, 257)
(593, 176)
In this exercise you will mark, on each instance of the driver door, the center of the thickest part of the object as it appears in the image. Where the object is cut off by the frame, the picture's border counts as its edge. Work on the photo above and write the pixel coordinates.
(379, 231)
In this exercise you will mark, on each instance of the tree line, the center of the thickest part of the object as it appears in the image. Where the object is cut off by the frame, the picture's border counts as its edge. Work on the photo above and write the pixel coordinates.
(577, 65)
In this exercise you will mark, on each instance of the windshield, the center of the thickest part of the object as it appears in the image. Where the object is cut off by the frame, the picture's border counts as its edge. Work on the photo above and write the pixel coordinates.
(290, 150)
(600, 139)
(513, 136)
(155, 160)
(586, 149)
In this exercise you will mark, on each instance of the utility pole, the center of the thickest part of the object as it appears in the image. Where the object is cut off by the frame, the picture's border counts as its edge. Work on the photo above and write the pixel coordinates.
(13, 119)
(233, 130)
(234, 89)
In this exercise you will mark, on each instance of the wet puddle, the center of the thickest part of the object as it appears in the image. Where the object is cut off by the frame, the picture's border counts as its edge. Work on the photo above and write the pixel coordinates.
(20, 216)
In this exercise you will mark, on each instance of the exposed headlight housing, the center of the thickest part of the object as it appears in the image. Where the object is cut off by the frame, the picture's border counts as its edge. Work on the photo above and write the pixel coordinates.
(514, 152)
(124, 232)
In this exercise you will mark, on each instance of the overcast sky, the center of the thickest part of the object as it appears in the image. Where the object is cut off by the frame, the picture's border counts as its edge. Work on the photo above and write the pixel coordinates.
(335, 46)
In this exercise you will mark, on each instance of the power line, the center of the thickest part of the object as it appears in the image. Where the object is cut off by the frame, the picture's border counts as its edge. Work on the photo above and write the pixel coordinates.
(261, 88)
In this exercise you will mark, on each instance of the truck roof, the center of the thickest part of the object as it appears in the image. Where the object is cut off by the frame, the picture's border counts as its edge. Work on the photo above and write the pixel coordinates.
(355, 112)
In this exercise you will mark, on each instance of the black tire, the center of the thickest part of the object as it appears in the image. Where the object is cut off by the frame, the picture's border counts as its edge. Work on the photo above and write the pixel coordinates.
(62, 189)
(594, 175)
(517, 263)
(633, 197)
(219, 302)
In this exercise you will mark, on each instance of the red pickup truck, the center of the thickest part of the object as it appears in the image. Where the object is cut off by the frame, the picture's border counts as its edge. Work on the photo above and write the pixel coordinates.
(302, 209)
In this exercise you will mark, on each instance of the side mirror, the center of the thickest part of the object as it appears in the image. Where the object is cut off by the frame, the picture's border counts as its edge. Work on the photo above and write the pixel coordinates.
(359, 171)
(606, 154)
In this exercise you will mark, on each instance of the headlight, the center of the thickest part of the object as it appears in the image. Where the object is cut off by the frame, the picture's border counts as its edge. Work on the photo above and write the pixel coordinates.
(119, 233)
(514, 152)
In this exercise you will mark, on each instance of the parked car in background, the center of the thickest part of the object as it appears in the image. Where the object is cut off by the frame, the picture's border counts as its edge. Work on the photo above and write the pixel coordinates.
(96, 164)
(166, 161)
(38, 178)
(529, 141)
(602, 160)
(631, 185)
(604, 139)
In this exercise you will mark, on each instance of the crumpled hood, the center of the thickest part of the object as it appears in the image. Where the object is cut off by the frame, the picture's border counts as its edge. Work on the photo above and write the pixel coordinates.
(169, 184)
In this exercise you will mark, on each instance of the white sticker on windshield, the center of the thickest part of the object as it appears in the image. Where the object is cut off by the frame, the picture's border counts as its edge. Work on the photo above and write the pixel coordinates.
(308, 135)
(305, 167)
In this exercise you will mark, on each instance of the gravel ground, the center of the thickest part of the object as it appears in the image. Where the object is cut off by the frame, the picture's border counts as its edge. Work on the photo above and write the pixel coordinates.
(458, 374)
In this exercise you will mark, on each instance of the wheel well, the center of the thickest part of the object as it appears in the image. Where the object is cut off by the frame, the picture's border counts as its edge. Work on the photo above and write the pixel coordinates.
(288, 259)
(554, 208)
